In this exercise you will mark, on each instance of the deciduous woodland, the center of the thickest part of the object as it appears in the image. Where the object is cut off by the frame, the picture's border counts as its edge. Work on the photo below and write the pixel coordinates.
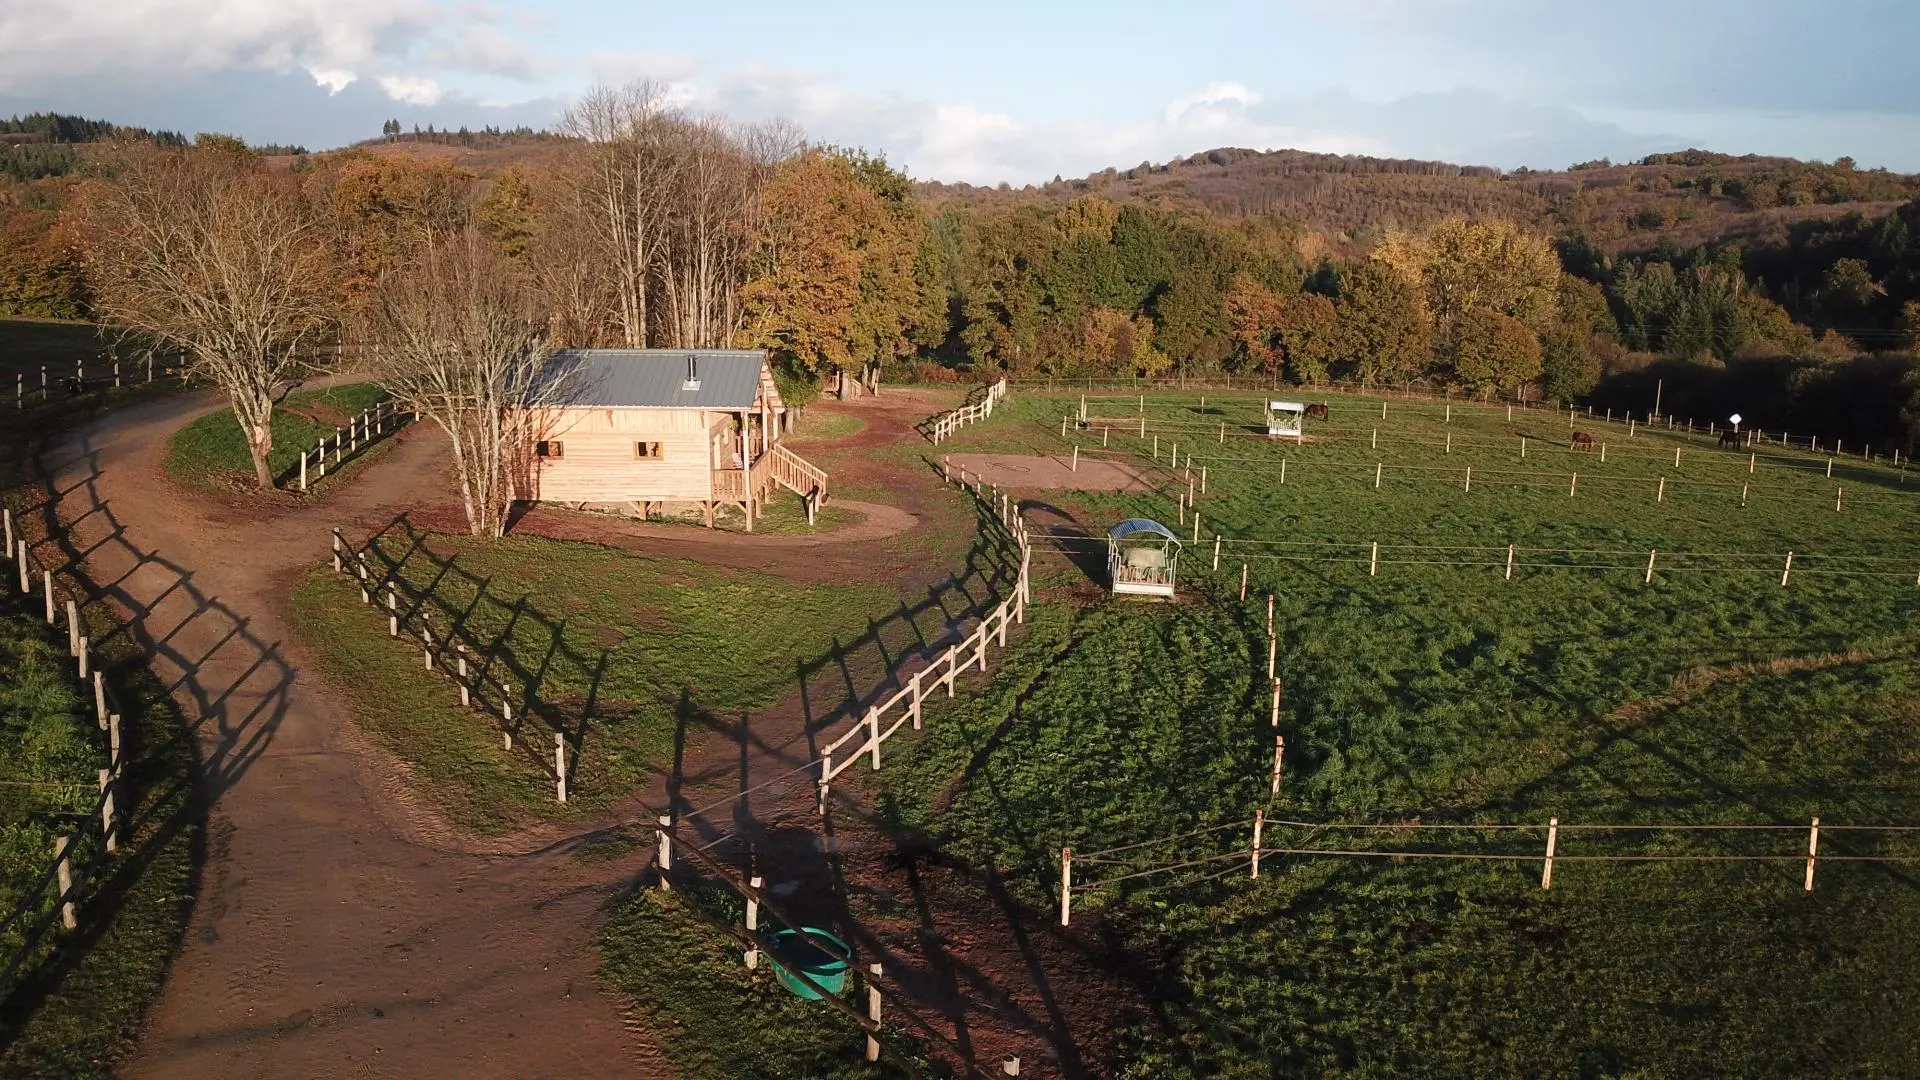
(1780, 287)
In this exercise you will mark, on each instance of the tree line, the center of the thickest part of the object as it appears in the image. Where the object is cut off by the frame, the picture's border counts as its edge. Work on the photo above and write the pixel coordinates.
(647, 226)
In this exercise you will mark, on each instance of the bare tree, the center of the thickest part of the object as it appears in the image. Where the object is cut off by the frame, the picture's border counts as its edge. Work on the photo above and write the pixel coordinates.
(628, 173)
(711, 233)
(565, 268)
(452, 336)
(205, 252)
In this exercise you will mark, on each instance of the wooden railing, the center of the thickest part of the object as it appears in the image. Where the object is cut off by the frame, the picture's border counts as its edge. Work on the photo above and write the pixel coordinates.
(794, 473)
(878, 725)
(975, 411)
(729, 485)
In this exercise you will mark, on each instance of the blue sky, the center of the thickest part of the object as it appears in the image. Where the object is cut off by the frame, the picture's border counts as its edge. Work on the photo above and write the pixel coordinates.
(996, 91)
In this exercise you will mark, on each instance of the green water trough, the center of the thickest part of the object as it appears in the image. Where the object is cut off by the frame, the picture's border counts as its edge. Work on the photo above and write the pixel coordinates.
(816, 972)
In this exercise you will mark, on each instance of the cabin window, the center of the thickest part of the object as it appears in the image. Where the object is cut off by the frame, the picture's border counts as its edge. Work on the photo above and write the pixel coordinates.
(550, 448)
(646, 451)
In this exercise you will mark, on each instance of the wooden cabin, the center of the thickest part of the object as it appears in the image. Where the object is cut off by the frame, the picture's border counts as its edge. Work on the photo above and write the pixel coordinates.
(644, 429)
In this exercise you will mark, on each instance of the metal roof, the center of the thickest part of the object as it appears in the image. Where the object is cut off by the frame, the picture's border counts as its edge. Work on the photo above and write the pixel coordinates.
(1136, 526)
(657, 378)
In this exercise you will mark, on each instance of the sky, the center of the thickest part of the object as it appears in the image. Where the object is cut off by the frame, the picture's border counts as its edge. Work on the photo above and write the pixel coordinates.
(995, 91)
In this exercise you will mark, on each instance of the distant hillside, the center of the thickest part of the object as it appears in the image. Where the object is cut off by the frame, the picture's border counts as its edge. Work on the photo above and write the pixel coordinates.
(1691, 197)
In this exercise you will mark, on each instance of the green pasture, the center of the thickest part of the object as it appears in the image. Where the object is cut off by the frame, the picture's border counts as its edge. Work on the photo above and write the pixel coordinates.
(1441, 691)
(631, 655)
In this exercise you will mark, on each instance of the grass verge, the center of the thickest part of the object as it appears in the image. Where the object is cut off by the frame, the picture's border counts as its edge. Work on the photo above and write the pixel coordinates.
(715, 1019)
(211, 453)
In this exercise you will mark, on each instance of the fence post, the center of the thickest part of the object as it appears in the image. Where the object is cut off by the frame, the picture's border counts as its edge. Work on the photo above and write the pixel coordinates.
(873, 1011)
(63, 875)
(106, 812)
(1650, 555)
(338, 544)
(873, 715)
(1283, 470)
(1378, 469)
(1661, 494)
(1075, 467)
(1553, 840)
(1276, 697)
(560, 765)
(1259, 819)
(1279, 755)
(6, 515)
(1787, 570)
(84, 650)
(100, 699)
(1743, 494)
(1838, 494)
(1373, 561)
(303, 470)
(46, 587)
(1066, 886)
(1523, 447)
(753, 921)
(1676, 457)
(24, 570)
(1573, 485)
(113, 742)
(1813, 850)
(1269, 614)
(1243, 583)
(73, 629)
(1469, 478)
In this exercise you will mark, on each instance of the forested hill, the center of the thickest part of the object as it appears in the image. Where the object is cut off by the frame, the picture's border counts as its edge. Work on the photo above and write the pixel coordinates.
(1686, 198)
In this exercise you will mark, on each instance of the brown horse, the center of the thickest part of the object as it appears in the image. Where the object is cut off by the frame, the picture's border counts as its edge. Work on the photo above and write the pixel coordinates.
(1582, 441)
(1316, 412)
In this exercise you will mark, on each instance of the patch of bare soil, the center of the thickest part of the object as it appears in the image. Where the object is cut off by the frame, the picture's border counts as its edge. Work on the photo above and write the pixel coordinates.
(1024, 472)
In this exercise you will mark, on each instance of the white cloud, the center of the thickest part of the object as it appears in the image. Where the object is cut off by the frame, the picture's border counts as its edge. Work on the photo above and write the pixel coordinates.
(145, 42)
(334, 79)
(961, 142)
(614, 67)
(412, 89)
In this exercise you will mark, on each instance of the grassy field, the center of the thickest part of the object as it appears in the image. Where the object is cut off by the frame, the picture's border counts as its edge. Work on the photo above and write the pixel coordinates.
(686, 977)
(627, 653)
(211, 453)
(818, 426)
(1440, 691)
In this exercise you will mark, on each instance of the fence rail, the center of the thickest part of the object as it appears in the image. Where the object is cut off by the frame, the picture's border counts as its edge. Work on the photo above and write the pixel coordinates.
(1548, 836)
(382, 419)
(880, 722)
(946, 424)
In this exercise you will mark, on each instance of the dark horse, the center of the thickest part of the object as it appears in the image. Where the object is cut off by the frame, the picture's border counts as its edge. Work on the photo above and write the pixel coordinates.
(1316, 412)
(1730, 438)
(1582, 441)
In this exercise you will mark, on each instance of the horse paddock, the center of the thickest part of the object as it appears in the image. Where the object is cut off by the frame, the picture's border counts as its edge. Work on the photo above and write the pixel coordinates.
(1052, 473)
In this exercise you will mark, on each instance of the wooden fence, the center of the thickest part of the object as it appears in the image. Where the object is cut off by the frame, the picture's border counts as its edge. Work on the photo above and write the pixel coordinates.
(888, 715)
(96, 836)
(369, 427)
(947, 423)
(1655, 846)
(447, 652)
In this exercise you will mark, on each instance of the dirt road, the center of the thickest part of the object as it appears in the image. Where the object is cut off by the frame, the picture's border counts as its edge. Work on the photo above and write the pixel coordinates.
(330, 937)
(342, 929)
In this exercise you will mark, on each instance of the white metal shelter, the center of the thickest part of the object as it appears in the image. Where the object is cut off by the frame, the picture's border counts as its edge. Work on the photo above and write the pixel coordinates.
(1143, 557)
(1283, 418)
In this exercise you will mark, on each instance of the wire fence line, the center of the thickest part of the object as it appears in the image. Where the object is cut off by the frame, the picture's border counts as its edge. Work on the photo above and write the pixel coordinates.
(1208, 439)
(1171, 392)
(1547, 852)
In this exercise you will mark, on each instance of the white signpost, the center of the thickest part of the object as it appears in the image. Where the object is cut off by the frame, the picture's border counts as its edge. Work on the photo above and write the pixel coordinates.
(1735, 420)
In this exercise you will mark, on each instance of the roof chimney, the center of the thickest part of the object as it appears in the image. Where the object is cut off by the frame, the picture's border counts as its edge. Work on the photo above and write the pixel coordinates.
(693, 374)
